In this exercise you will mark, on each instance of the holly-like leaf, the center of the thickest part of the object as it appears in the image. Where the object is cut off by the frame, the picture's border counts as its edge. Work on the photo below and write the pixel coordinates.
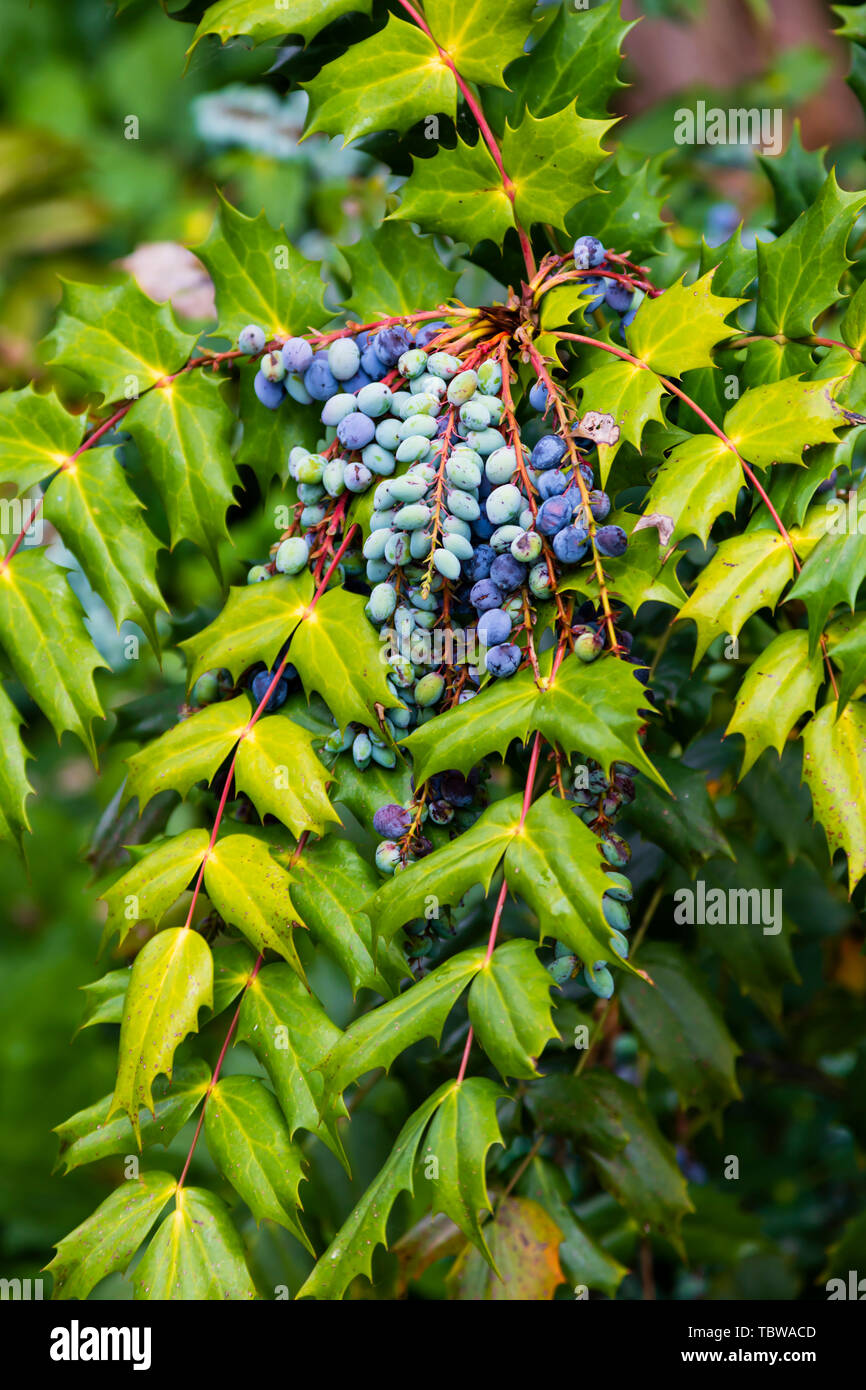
(102, 522)
(184, 432)
(36, 436)
(43, 634)
(577, 56)
(90, 1135)
(386, 82)
(116, 339)
(278, 769)
(509, 1007)
(250, 890)
(458, 193)
(463, 28)
(338, 653)
(682, 1028)
(735, 265)
(779, 687)
(449, 872)
(747, 572)
(351, 1251)
(332, 884)
(249, 1142)
(104, 999)
(524, 1248)
(189, 752)
(172, 978)
(846, 642)
(646, 573)
(363, 792)
(796, 177)
(233, 962)
(14, 786)
(799, 273)
(393, 271)
(700, 479)
(154, 882)
(583, 1261)
(834, 769)
(253, 626)
(686, 824)
(261, 19)
(626, 211)
(552, 162)
(106, 1242)
(835, 568)
(677, 331)
(632, 395)
(775, 423)
(260, 277)
(195, 1256)
(460, 1136)
(375, 1039)
(290, 1034)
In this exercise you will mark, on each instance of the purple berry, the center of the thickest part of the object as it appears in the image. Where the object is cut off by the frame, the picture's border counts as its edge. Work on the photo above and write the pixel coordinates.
(503, 660)
(391, 343)
(553, 515)
(297, 355)
(507, 573)
(588, 253)
(548, 452)
(270, 393)
(485, 594)
(392, 822)
(494, 626)
(611, 541)
(356, 431)
(320, 380)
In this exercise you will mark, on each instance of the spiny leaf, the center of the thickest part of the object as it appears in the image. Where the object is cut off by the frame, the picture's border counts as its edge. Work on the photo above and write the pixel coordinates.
(626, 211)
(678, 330)
(686, 825)
(172, 978)
(524, 1246)
(189, 752)
(646, 573)
(796, 177)
(36, 436)
(799, 273)
(836, 567)
(116, 339)
(779, 687)
(249, 1142)
(262, 20)
(699, 480)
(631, 395)
(104, 1002)
(846, 641)
(251, 890)
(278, 769)
(43, 634)
(682, 1028)
(834, 768)
(552, 162)
(260, 277)
(14, 786)
(462, 1132)
(106, 1242)
(337, 652)
(509, 1008)
(375, 1039)
(583, 1261)
(196, 1255)
(746, 573)
(577, 56)
(736, 265)
(102, 522)
(90, 1135)
(393, 271)
(775, 423)
(463, 28)
(386, 82)
(458, 193)
(363, 792)
(149, 888)
(351, 1251)
(254, 624)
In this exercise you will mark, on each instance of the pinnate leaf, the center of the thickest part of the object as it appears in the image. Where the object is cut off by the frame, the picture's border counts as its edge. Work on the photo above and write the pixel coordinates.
(196, 1255)
(107, 1240)
(834, 768)
(509, 1008)
(254, 624)
(779, 687)
(462, 1132)
(677, 331)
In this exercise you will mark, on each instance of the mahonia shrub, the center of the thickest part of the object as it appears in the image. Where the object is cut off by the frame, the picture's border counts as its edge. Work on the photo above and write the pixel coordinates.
(391, 823)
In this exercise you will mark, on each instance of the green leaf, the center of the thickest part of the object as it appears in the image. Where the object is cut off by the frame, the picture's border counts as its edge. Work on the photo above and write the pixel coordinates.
(852, 326)
(278, 769)
(172, 978)
(116, 339)
(249, 1142)
(746, 573)
(43, 634)
(363, 792)
(626, 212)
(796, 178)
(102, 522)
(14, 786)
(338, 653)
(184, 432)
(375, 1039)
(458, 193)
(464, 29)
(262, 20)
(779, 687)
(254, 624)
(106, 1242)
(260, 277)
(509, 1008)
(251, 890)
(263, 446)
(834, 769)
(583, 1261)
(677, 331)
(393, 271)
(90, 1135)
(646, 573)
(463, 1130)
(386, 82)
(736, 265)
(290, 1034)
(611, 1123)
(233, 962)
(332, 884)
(149, 888)
(685, 824)
(104, 1002)
(552, 162)
(799, 273)
(524, 1245)
(846, 642)
(835, 569)
(682, 1028)
(631, 395)
(190, 752)
(583, 708)
(440, 879)
(578, 56)
(351, 1251)
(195, 1256)
(555, 866)
(36, 436)
(699, 480)
(775, 423)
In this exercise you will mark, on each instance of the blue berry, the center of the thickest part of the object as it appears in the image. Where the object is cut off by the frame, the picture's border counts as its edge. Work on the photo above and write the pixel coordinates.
(485, 594)
(494, 626)
(355, 431)
(619, 296)
(599, 504)
(553, 515)
(548, 452)
(297, 355)
(269, 393)
(538, 396)
(391, 343)
(611, 541)
(428, 333)
(392, 821)
(251, 339)
(319, 380)
(588, 253)
(504, 659)
(552, 483)
(259, 686)
(479, 566)
(570, 544)
(506, 573)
